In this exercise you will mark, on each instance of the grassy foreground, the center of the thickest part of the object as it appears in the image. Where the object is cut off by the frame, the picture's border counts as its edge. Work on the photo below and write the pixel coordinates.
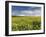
(22, 23)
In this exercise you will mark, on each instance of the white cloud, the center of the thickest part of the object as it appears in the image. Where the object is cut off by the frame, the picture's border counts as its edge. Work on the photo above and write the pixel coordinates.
(21, 15)
(37, 12)
(27, 13)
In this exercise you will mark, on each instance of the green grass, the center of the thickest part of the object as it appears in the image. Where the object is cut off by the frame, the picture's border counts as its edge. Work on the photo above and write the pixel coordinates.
(23, 23)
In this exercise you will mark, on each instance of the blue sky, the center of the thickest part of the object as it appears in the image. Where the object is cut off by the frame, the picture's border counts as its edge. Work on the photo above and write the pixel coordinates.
(26, 11)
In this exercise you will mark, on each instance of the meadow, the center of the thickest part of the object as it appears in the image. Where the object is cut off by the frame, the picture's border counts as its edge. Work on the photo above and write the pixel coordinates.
(23, 23)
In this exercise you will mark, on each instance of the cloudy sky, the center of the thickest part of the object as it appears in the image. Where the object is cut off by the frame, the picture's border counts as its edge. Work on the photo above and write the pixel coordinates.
(26, 11)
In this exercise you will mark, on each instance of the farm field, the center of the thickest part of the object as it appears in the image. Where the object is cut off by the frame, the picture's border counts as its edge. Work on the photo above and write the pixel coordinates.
(23, 23)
